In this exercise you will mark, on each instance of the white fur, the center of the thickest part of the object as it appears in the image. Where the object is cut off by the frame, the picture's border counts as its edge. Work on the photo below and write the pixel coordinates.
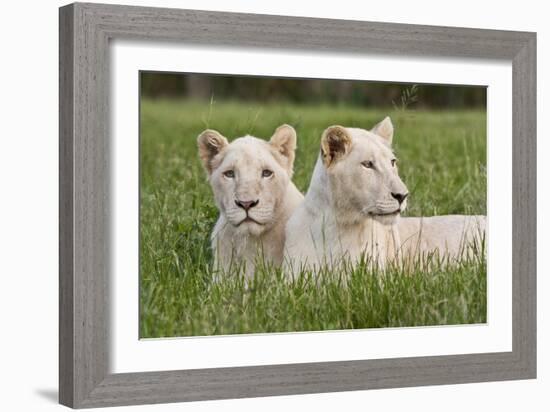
(450, 236)
(344, 216)
(236, 241)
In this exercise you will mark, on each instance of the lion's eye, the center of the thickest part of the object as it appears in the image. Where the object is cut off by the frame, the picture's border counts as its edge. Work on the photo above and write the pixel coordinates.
(267, 173)
(368, 164)
(230, 174)
(393, 162)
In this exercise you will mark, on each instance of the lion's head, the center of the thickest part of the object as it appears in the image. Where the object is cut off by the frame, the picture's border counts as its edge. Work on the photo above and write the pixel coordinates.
(249, 176)
(362, 173)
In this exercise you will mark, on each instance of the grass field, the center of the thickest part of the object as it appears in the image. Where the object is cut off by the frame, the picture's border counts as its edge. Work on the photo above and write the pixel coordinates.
(442, 161)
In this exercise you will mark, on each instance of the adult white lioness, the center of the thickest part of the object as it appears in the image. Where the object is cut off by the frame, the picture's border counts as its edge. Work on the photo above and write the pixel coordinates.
(251, 182)
(352, 207)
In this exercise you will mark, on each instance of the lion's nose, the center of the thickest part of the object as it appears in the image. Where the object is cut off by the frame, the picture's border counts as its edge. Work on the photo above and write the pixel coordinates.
(400, 197)
(246, 204)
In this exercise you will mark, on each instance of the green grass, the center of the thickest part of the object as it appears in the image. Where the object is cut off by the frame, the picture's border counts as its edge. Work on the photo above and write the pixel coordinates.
(442, 161)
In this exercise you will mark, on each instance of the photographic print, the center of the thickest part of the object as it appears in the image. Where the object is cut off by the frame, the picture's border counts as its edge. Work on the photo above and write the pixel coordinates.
(272, 205)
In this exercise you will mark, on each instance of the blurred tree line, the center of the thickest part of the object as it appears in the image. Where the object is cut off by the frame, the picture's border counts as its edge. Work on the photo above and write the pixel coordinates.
(352, 92)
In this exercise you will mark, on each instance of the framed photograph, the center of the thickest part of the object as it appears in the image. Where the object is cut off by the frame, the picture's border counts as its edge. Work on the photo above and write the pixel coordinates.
(257, 205)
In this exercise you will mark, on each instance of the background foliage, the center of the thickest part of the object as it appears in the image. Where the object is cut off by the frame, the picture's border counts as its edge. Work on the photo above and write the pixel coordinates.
(314, 91)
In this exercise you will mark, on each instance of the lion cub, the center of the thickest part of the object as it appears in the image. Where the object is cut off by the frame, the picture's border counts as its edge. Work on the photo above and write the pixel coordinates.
(251, 182)
(352, 208)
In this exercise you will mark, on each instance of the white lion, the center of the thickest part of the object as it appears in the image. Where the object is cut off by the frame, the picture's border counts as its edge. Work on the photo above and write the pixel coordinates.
(251, 182)
(352, 208)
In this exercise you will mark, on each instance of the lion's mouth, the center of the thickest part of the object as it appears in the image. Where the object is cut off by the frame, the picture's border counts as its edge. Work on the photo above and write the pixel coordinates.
(248, 219)
(394, 213)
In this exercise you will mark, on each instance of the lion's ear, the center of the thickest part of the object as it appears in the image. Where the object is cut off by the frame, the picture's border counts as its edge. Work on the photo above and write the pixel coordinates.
(284, 142)
(384, 129)
(210, 144)
(335, 143)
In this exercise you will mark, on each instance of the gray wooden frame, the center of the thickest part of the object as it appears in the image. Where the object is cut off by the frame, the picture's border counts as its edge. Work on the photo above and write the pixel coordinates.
(85, 31)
